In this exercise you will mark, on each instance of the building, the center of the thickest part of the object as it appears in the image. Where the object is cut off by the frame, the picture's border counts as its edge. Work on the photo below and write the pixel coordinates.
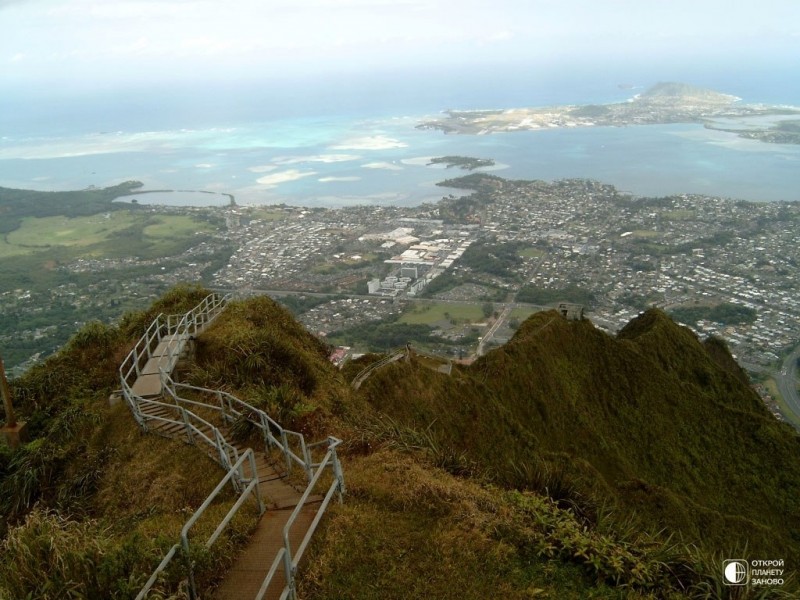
(571, 312)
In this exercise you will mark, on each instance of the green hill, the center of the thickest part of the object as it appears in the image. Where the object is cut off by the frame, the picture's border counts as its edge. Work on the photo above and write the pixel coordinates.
(671, 91)
(566, 464)
(650, 421)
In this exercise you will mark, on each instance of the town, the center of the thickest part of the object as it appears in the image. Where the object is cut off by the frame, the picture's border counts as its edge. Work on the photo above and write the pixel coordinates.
(458, 277)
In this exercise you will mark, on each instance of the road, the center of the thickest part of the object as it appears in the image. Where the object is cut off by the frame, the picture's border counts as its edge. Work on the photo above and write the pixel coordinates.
(786, 379)
(488, 335)
(281, 293)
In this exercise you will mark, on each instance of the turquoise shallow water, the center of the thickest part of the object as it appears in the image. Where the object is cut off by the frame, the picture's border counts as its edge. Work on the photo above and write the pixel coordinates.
(336, 161)
(260, 143)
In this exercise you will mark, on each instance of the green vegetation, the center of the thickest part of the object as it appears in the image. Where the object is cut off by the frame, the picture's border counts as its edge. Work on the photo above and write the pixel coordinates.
(449, 281)
(592, 111)
(45, 233)
(384, 336)
(100, 235)
(35, 234)
(679, 215)
(555, 398)
(782, 132)
(89, 506)
(474, 181)
(32, 259)
(636, 301)
(431, 313)
(369, 259)
(298, 305)
(462, 162)
(444, 282)
(410, 328)
(544, 296)
(268, 214)
(411, 530)
(788, 126)
(490, 257)
(531, 252)
(258, 343)
(565, 464)
(466, 208)
(15, 205)
(725, 313)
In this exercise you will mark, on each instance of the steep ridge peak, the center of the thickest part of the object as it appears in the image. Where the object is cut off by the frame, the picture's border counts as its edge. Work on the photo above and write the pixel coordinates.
(647, 420)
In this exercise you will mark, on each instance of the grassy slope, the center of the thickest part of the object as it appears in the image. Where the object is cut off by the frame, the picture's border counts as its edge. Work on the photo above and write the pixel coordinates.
(410, 530)
(647, 420)
(257, 350)
(91, 501)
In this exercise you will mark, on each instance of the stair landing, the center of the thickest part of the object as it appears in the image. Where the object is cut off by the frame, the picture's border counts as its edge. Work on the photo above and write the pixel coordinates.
(148, 384)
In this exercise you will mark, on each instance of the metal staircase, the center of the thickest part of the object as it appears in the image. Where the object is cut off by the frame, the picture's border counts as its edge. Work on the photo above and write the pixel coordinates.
(202, 417)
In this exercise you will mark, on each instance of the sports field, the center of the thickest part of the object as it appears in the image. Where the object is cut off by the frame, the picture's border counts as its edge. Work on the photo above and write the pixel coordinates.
(429, 313)
(531, 252)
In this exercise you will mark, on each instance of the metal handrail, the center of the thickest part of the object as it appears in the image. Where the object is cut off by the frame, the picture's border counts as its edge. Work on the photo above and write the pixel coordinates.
(367, 371)
(252, 488)
(253, 485)
(180, 328)
(154, 577)
(256, 416)
(290, 564)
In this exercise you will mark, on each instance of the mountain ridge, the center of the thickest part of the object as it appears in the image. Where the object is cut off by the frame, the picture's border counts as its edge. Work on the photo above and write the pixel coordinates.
(567, 464)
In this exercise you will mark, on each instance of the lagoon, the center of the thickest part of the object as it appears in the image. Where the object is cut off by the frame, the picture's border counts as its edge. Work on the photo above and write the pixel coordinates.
(369, 157)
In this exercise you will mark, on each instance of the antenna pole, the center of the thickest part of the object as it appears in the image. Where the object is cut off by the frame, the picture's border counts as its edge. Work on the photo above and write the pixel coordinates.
(11, 418)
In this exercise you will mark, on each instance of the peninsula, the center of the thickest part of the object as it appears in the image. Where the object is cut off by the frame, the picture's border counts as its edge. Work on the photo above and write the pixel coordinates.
(663, 103)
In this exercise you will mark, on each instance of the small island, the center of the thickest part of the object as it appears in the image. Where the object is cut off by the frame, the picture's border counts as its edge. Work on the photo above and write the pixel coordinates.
(466, 163)
(664, 103)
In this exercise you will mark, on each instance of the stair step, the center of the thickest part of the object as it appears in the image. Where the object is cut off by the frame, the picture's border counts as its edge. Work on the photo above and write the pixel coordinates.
(159, 413)
(170, 427)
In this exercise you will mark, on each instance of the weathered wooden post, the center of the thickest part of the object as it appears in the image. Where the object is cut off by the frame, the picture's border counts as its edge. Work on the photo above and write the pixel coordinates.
(13, 432)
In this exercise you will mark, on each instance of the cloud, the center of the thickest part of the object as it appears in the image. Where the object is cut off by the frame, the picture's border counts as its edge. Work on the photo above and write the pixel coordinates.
(151, 40)
(7, 3)
(500, 36)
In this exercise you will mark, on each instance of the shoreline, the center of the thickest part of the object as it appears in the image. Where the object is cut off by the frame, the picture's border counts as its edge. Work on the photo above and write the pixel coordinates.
(662, 104)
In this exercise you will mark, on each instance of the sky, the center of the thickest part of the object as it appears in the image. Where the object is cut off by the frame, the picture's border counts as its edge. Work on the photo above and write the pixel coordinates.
(108, 43)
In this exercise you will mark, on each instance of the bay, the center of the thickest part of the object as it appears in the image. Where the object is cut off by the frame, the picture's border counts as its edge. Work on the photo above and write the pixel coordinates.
(336, 147)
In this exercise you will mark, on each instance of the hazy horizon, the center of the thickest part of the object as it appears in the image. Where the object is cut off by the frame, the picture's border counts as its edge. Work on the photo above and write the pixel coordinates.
(73, 69)
(79, 46)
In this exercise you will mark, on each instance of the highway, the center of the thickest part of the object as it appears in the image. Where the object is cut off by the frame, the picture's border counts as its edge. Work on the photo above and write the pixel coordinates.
(786, 379)
(489, 334)
(281, 293)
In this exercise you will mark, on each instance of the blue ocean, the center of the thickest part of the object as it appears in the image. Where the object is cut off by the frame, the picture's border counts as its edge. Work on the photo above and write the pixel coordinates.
(352, 140)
